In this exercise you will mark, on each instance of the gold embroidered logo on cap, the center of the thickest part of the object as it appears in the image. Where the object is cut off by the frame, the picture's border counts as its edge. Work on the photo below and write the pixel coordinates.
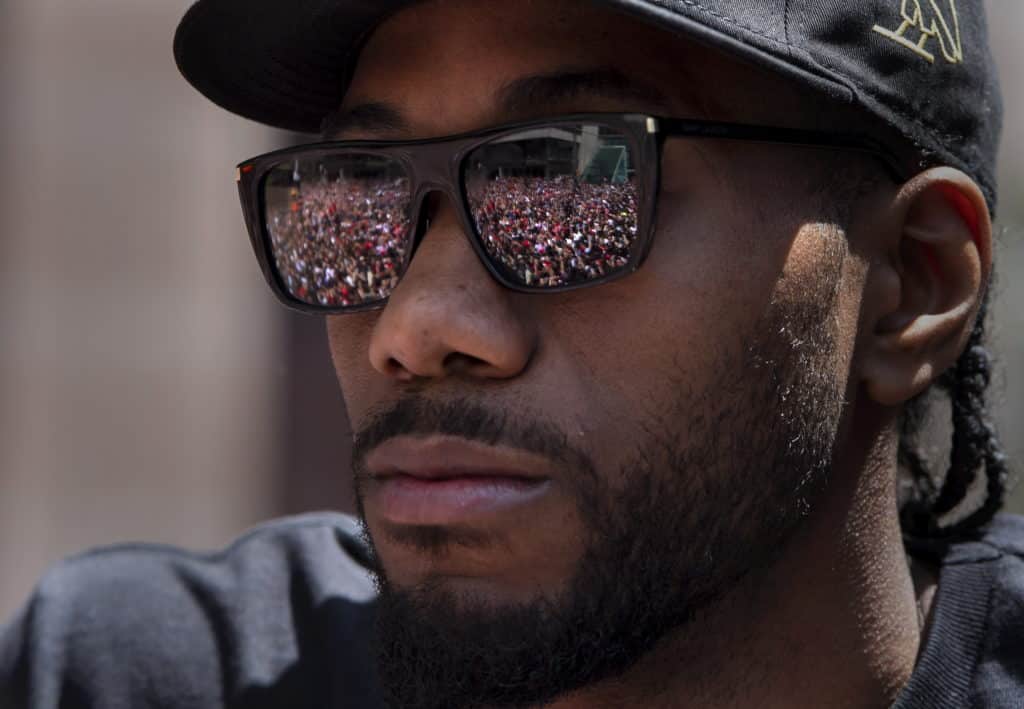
(923, 21)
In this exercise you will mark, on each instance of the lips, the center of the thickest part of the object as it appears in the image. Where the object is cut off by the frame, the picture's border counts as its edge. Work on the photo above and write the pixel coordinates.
(444, 481)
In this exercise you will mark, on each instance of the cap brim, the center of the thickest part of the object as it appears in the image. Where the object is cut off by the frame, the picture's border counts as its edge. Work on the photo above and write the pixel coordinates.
(288, 64)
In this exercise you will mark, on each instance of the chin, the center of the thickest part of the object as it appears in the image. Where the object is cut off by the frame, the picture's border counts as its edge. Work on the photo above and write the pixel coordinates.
(468, 564)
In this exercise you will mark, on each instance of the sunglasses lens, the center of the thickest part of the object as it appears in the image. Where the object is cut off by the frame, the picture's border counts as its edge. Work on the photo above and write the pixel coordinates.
(338, 227)
(555, 206)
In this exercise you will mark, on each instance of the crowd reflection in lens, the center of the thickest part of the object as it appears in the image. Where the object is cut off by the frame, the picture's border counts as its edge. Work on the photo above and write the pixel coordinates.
(556, 231)
(343, 242)
(339, 243)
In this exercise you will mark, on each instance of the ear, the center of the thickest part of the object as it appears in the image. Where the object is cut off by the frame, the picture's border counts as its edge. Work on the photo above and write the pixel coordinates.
(925, 292)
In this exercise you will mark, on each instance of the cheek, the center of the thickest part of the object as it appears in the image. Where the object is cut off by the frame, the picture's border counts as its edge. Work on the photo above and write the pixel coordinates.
(707, 280)
(348, 337)
(646, 350)
(644, 346)
(723, 237)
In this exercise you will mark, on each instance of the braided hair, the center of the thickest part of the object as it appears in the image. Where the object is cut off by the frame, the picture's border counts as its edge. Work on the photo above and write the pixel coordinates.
(975, 451)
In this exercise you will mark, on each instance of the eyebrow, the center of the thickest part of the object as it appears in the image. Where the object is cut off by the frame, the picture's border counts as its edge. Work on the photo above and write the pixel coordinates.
(516, 98)
(370, 116)
(525, 94)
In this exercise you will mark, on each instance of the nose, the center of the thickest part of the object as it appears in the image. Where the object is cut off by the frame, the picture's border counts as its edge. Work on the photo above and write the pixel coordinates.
(448, 315)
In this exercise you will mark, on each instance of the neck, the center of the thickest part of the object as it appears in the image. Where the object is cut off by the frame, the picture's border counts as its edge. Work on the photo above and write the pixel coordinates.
(832, 623)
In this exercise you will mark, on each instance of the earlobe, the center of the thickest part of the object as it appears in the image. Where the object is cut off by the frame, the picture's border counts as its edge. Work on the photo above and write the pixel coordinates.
(931, 285)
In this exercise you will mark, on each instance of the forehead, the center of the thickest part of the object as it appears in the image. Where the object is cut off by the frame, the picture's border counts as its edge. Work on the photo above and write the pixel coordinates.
(447, 64)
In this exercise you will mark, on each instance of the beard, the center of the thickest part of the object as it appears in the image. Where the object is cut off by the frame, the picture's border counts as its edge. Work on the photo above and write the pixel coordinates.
(681, 525)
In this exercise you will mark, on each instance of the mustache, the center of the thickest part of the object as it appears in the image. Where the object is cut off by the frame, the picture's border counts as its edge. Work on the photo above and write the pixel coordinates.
(417, 415)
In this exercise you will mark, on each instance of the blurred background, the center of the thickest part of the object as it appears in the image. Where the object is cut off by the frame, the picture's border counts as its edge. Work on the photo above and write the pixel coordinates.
(151, 388)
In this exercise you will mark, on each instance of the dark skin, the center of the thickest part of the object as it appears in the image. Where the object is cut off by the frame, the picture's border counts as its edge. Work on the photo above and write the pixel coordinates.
(833, 622)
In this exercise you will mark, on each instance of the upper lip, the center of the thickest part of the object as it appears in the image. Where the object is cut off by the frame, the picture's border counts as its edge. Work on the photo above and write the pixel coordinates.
(446, 457)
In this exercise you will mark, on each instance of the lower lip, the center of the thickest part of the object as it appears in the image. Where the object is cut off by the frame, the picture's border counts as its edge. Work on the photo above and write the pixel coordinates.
(407, 500)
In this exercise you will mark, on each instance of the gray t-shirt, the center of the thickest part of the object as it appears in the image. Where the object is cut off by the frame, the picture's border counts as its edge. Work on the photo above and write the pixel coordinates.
(284, 618)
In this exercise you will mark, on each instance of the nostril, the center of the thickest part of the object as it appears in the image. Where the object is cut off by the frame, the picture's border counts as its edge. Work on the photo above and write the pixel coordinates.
(396, 369)
(461, 362)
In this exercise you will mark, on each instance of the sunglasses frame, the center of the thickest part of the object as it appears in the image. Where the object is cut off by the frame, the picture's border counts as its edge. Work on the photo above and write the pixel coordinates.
(438, 164)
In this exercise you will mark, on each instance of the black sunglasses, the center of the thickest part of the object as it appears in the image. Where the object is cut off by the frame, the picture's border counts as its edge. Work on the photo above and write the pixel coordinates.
(548, 205)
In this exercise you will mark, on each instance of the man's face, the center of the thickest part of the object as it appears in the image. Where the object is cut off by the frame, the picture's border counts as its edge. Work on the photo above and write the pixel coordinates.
(674, 426)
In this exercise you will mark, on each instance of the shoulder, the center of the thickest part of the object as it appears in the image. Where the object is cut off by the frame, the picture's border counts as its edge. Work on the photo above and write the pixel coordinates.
(1001, 667)
(1006, 534)
(989, 580)
(319, 553)
(997, 554)
(973, 652)
(136, 620)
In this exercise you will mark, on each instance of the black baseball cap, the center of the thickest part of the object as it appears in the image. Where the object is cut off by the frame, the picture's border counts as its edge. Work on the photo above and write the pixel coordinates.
(923, 67)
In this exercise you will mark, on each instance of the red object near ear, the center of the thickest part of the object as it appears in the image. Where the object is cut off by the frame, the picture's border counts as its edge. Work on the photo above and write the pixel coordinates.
(963, 205)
